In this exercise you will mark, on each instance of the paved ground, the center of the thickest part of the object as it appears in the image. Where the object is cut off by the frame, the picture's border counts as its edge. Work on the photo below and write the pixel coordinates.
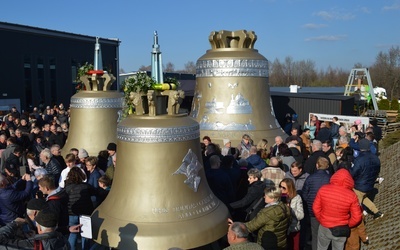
(384, 233)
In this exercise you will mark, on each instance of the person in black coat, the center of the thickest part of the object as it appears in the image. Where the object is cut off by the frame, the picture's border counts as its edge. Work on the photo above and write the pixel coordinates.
(79, 203)
(14, 160)
(57, 201)
(52, 166)
(56, 153)
(313, 183)
(56, 137)
(324, 133)
(310, 163)
(219, 181)
(22, 140)
(255, 192)
(47, 237)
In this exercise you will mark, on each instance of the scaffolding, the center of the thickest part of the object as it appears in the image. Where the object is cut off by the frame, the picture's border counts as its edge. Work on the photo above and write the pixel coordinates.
(356, 85)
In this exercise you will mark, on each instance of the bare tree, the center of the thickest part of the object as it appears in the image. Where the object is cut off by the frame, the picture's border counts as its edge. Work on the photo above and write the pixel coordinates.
(288, 70)
(169, 67)
(276, 73)
(190, 68)
(145, 68)
(386, 71)
(303, 72)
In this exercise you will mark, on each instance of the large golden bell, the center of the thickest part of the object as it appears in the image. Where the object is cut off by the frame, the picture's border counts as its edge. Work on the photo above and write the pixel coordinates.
(160, 197)
(94, 116)
(232, 94)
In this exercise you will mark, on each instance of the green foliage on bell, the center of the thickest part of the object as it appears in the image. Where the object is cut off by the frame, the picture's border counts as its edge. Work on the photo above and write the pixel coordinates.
(172, 80)
(82, 70)
(139, 83)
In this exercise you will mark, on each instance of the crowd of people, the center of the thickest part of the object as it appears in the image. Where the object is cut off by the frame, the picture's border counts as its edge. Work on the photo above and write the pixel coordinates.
(42, 193)
(310, 190)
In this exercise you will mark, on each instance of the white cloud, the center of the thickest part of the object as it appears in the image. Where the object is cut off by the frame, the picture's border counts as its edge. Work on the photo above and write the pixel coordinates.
(365, 10)
(314, 26)
(334, 15)
(395, 6)
(326, 38)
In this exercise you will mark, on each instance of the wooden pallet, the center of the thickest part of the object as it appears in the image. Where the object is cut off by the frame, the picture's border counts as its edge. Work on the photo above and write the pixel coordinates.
(392, 127)
(389, 115)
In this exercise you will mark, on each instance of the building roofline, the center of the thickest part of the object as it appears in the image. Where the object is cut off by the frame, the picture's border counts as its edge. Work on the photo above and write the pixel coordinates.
(55, 33)
(312, 96)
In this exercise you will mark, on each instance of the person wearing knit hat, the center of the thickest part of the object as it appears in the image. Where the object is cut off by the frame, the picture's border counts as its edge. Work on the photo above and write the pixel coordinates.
(226, 147)
(364, 144)
(82, 153)
(36, 204)
(47, 237)
(47, 218)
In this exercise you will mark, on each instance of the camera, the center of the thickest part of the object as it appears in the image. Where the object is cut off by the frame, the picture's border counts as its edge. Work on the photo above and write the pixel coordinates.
(360, 134)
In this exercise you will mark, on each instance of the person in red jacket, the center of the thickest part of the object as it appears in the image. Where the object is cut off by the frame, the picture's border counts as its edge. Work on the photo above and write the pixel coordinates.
(336, 207)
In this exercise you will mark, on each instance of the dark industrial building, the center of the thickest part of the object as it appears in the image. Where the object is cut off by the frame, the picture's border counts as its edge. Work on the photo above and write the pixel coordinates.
(303, 104)
(39, 66)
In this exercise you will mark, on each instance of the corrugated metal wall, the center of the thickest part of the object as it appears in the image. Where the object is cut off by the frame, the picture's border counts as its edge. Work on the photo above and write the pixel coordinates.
(302, 105)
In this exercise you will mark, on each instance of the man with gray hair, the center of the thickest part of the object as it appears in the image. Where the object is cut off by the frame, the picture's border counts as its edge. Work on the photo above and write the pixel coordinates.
(273, 174)
(237, 238)
(55, 151)
(311, 162)
(52, 166)
(344, 138)
(3, 141)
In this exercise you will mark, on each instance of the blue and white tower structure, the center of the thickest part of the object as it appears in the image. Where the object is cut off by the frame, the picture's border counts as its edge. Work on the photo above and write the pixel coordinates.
(98, 61)
(156, 61)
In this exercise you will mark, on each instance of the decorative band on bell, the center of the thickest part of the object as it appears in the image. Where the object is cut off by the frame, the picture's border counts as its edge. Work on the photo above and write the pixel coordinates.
(158, 135)
(232, 67)
(96, 103)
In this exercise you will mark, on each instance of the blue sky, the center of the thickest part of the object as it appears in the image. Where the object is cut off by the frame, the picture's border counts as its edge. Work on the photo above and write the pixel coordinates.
(338, 33)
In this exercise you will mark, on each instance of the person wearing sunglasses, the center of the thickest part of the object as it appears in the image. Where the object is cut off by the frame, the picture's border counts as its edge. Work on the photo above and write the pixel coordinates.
(293, 200)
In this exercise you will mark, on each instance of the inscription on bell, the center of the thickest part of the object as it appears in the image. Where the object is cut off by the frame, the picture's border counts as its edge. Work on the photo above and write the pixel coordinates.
(196, 208)
(159, 210)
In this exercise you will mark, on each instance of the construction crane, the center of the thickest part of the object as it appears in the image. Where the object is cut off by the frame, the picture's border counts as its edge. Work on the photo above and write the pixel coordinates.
(356, 84)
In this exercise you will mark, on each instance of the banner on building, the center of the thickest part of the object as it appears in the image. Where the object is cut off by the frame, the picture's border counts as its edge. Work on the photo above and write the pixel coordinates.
(347, 121)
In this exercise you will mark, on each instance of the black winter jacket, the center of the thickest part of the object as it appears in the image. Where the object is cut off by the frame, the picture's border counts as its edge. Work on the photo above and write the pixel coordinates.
(50, 241)
(365, 170)
(80, 202)
(254, 192)
(311, 186)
